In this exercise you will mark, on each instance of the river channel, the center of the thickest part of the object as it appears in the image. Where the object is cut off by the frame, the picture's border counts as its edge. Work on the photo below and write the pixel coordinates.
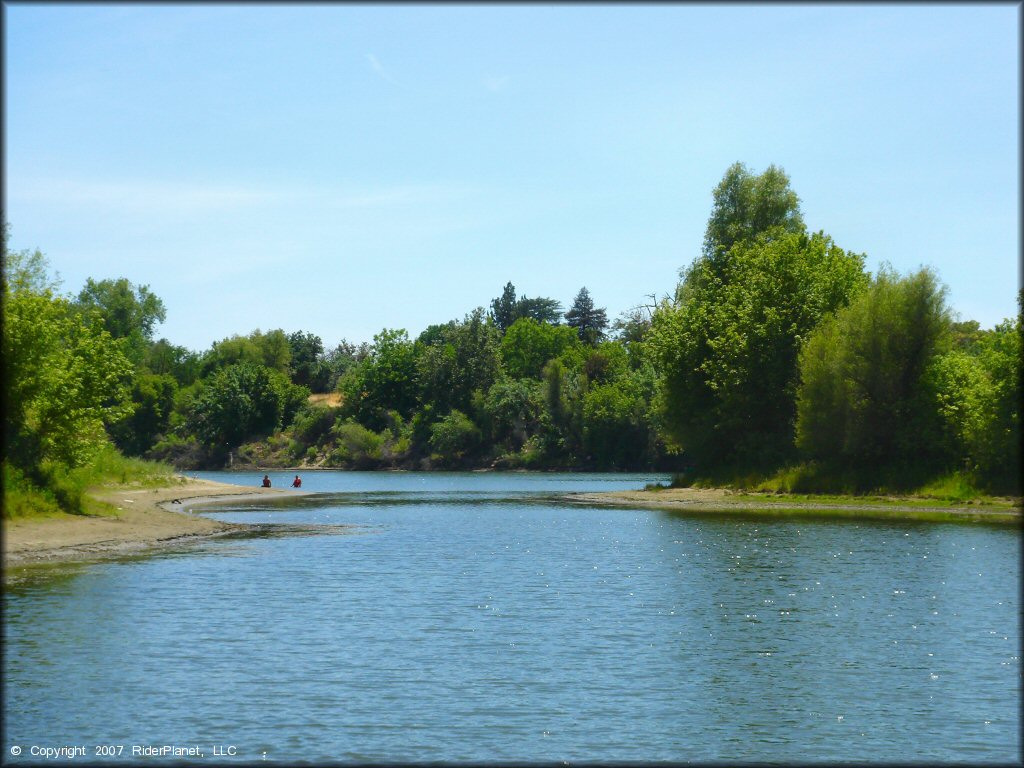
(478, 617)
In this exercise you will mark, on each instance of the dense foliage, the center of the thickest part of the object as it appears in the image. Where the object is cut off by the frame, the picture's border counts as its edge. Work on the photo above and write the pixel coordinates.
(776, 350)
(728, 343)
(66, 377)
(864, 401)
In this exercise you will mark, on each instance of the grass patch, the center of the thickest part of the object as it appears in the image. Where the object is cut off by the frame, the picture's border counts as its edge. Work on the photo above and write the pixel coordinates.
(657, 486)
(22, 499)
(953, 487)
(61, 490)
(813, 483)
(109, 467)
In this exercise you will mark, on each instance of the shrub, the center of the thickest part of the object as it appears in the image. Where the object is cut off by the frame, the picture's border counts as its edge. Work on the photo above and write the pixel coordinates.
(357, 445)
(454, 436)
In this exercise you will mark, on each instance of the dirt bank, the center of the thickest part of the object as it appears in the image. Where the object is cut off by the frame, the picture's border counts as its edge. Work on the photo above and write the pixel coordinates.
(146, 518)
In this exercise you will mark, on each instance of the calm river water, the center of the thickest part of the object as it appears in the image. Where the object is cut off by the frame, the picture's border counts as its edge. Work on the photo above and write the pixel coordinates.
(476, 617)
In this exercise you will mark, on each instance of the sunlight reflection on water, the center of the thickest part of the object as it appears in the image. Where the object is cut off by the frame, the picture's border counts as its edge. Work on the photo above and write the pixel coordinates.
(512, 627)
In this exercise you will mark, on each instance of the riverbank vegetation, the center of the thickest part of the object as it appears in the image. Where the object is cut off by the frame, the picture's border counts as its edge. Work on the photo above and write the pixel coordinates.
(777, 362)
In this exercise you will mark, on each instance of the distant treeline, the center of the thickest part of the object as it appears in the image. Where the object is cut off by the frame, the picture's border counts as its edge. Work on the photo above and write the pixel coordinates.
(776, 353)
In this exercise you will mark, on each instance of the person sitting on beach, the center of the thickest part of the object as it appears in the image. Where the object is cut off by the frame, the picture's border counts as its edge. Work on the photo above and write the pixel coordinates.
(266, 481)
(297, 482)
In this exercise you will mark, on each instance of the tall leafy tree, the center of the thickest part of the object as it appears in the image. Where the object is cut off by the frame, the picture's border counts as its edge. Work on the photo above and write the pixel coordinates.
(728, 344)
(66, 379)
(126, 311)
(306, 365)
(748, 204)
(456, 359)
(864, 401)
(513, 408)
(153, 397)
(384, 381)
(183, 364)
(977, 395)
(342, 358)
(589, 321)
(617, 427)
(243, 401)
(270, 349)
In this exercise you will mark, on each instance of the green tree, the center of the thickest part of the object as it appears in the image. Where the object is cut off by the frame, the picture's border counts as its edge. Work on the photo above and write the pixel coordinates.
(589, 321)
(529, 344)
(864, 401)
(617, 430)
(126, 311)
(541, 309)
(747, 205)
(270, 349)
(503, 308)
(632, 329)
(966, 334)
(153, 397)
(606, 363)
(384, 381)
(244, 401)
(343, 357)
(561, 428)
(183, 364)
(728, 344)
(506, 309)
(977, 394)
(513, 409)
(456, 359)
(66, 379)
(306, 365)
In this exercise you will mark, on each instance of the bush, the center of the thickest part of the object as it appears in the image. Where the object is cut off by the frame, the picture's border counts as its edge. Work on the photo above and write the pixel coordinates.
(357, 445)
(23, 499)
(454, 436)
(513, 408)
(181, 453)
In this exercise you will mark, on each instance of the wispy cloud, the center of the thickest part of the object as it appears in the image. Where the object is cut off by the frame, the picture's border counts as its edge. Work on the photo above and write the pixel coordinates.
(379, 69)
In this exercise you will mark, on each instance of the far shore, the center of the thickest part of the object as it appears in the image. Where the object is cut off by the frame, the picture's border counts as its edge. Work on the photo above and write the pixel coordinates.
(145, 519)
(151, 518)
(719, 501)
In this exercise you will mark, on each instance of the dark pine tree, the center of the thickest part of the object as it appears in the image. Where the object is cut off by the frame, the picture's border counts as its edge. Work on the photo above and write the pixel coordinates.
(589, 322)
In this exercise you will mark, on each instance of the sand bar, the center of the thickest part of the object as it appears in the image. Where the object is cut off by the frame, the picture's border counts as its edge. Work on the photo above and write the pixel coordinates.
(146, 519)
(718, 500)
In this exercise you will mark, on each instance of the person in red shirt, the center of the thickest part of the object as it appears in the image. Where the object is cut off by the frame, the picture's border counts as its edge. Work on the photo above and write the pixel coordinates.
(297, 482)
(266, 481)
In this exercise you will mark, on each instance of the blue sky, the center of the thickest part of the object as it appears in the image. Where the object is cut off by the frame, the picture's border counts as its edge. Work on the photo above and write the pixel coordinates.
(342, 168)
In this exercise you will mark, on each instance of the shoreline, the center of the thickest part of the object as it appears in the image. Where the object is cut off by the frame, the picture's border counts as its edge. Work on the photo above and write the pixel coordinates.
(725, 503)
(151, 518)
(146, 519)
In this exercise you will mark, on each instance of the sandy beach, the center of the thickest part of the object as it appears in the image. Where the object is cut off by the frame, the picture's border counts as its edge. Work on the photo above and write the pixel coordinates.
(146, 518)
(718, 500)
